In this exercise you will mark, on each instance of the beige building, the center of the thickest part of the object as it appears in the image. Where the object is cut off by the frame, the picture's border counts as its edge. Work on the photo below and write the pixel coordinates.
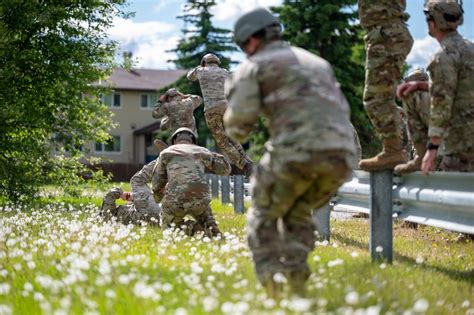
(132, 100)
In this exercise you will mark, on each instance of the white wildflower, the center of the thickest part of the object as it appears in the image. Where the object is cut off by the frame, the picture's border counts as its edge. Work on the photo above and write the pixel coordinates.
(352, 298)
(421, 306)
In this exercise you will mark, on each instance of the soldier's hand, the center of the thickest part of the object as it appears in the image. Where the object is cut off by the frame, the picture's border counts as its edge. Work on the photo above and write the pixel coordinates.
(405, 89)
(429, 162)
(127, 196)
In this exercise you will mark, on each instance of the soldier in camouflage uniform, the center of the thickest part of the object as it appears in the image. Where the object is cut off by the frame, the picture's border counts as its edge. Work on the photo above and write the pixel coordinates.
(388, 42)
(211, 79)
(180, 183)
(451, 70)
(308, 155)
(417, 107)
(179, 109)
(142, 207)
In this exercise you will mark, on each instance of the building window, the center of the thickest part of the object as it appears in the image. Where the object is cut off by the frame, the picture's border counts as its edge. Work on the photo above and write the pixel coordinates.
(147, 100)
(112, 100)
(113, 145)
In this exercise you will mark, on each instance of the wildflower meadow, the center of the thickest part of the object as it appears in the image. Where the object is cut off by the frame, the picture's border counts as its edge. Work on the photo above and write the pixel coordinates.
(57, 256)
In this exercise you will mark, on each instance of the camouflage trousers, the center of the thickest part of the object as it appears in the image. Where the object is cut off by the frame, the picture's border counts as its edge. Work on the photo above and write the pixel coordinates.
(129, 213)
(227, 146)
(174, 212)
(457, 163)
(387, 48)
(286, 186)
(417, 107)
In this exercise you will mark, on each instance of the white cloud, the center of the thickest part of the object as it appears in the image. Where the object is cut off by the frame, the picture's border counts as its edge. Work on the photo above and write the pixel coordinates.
(147, 41)
(230, 9)
(422, 52)
(153, 55)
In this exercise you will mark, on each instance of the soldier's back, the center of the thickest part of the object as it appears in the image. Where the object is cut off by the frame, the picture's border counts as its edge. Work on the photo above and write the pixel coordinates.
(180, 114)
(186, 172)
(212, 79)
(301, 98)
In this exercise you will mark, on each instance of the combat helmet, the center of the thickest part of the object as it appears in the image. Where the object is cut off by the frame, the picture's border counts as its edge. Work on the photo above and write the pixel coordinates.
(417, 75)
(184, 130)
(252, 22)
(210, 58)
(447, 14)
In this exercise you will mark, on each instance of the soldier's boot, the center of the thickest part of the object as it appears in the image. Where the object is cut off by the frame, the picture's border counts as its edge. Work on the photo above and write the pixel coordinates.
(274, 289)
(391, 155)
(108, 207)
(297, 282)
(415, 164)
(159, 144)
(212, 230)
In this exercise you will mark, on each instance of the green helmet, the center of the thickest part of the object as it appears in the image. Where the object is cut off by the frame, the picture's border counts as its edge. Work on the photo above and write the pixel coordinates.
(184, 130)
(210, 58)
(447, 14)
(417, 75)
(252, 22)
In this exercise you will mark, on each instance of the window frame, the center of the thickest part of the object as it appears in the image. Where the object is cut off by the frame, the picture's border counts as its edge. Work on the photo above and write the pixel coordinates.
(102, 145)
(150, 104)
(112, 99)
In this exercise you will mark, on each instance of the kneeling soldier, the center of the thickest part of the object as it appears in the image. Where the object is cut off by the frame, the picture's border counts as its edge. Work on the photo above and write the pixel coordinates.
(180, 183)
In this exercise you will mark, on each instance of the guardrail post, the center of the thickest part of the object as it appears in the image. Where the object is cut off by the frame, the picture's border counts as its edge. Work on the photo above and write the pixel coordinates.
(225, 189)
(239, 194)
(381, 212)
(321, 218)
(214, 186)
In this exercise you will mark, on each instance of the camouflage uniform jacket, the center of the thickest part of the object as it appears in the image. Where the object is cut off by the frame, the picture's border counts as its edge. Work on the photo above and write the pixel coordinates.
(452, 95)
(299, 95)
(212, 79)
(180, 173)
(179, 111)
(379, 12)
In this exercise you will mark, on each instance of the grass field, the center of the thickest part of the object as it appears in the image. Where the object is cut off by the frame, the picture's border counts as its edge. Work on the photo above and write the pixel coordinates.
(58, 257)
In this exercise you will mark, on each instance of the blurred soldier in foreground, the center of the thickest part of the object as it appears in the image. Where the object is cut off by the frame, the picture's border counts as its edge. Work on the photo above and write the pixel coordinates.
(211, 79)
(142, 206)
(180, 183)
(308, 155)
(417, 107)
(388, 43)
(179, 109)
(451, 121)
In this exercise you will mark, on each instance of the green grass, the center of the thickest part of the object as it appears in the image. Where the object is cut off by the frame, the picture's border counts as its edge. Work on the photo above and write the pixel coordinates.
(57, 256)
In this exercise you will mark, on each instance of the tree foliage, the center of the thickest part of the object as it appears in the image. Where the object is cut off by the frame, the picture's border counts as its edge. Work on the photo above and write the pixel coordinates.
(50, 53)
(200, 37)
(329, 29)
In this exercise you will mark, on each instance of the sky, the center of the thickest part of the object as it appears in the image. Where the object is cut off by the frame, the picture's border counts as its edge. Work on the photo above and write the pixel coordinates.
(155, 29)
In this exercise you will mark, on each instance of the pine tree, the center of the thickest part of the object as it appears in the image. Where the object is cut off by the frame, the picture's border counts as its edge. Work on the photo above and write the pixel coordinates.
(329, 29)
(200, 37)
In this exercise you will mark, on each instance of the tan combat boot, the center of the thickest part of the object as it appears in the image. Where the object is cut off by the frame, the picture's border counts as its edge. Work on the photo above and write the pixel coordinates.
(391, 155)
(415, 164)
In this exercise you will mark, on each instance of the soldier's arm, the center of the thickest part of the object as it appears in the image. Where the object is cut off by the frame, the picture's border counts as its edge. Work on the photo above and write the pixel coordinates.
(444, 77)
(243, 93)
(159, 110)
(195, 101)
(217, 163)
(143, 176)
(192, 74)
(159, 179)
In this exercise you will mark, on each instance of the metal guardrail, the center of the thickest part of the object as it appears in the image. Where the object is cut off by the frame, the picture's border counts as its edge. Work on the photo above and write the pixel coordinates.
(230, 189)
(442, 199)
